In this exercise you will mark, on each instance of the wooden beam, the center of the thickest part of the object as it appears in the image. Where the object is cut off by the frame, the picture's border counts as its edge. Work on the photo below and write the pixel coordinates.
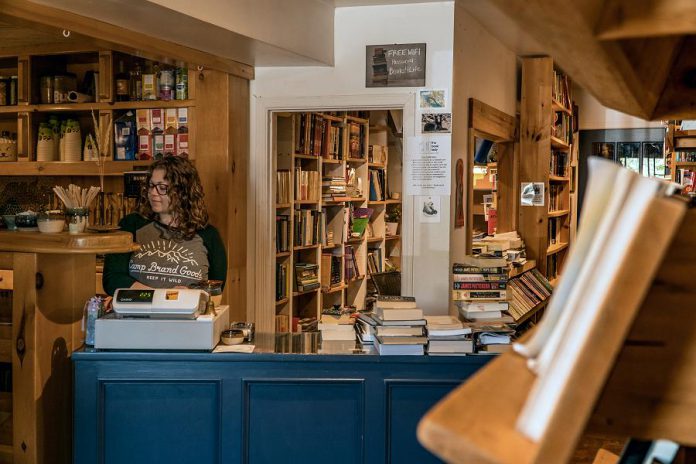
(678, 100)
(568, 30)
(18, 12)
(624, 19)
(496, 124)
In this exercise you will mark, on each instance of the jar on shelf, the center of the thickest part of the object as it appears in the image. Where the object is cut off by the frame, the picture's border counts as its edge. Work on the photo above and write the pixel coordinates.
(4, 87)
(77, 219)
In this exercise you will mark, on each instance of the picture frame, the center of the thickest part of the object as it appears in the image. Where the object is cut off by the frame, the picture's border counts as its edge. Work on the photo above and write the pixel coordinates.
(606, 150)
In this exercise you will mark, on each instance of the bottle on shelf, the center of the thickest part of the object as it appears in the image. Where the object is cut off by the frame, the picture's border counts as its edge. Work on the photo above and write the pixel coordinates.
(181, 83)
(149, 82)
(136, 83)
(122, 82)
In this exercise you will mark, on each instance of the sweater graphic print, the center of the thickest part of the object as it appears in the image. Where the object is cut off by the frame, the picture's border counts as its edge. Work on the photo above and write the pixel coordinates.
(162, 262)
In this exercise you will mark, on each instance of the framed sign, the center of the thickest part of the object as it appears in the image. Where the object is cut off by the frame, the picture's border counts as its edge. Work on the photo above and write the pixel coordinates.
(397, 65)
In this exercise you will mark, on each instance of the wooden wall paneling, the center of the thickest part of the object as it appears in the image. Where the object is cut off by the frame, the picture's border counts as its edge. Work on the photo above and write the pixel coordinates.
(25, 149)
(106, 70)
(23, 77)
(535, 150)
(237, 199)
(491, 121)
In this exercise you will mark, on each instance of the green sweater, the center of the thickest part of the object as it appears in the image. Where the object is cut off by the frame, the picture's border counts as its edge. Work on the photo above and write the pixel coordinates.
(163, 261)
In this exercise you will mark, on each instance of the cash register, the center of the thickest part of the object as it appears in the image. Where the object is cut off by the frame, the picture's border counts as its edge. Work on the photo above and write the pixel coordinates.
(161, 319)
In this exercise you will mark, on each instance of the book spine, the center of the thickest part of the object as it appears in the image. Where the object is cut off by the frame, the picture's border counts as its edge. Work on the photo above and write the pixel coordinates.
(479, 285)
(479, 294)
(480, 277)
(461, 269)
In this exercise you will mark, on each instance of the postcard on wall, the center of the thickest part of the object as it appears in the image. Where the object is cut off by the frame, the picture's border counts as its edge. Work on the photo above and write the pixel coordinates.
(428, 170)
(429, 208)
(396, 65)
(436, 123)
(532, 194)
(432, 98)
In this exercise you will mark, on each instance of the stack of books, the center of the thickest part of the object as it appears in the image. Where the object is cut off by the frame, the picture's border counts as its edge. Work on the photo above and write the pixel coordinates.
(527, 292)
(398, 326)
(333, 188)
(479, 287)
(507, 245)
(448, 336)
(492, 336)
(336, 328)
(306, 276)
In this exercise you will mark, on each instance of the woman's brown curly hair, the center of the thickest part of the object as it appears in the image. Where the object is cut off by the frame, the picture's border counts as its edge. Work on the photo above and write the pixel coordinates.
(186, 197)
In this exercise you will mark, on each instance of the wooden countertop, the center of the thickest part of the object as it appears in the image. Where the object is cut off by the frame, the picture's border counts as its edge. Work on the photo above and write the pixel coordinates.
(65, 243)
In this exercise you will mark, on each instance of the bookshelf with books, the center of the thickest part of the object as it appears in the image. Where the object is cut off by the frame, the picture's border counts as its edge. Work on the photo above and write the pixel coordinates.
(546, 147)
(331, 200)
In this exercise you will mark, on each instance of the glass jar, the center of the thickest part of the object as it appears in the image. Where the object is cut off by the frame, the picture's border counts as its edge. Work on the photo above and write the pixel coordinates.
(77, 219)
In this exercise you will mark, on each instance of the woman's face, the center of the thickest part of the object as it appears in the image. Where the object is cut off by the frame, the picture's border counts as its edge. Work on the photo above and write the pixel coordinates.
(157, 192)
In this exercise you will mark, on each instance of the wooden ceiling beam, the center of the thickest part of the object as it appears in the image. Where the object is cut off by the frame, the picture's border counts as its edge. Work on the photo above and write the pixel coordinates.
(28, 14)
(625, 19)
(601, 67)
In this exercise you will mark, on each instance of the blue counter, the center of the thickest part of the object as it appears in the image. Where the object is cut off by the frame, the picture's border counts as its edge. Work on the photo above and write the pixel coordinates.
(158, 407)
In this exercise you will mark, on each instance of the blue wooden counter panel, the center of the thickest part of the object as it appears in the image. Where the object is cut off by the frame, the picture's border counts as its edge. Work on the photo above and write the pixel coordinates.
(156, 407)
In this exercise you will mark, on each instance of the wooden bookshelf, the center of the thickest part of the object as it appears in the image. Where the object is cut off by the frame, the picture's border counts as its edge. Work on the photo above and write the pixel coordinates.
(547, 157)
(343, 155)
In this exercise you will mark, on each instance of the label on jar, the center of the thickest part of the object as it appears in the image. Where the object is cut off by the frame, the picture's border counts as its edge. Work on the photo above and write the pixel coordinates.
(122, 88)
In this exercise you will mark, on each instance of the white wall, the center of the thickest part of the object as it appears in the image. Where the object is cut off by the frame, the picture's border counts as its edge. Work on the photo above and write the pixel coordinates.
(486, 70)
(594, 115)
(356, 27)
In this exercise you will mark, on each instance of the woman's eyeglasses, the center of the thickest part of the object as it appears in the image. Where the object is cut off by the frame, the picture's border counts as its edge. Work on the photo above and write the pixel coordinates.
(162, 189)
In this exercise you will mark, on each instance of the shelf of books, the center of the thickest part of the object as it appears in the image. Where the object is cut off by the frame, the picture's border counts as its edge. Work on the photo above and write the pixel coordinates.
(547, 216)
(331, 213)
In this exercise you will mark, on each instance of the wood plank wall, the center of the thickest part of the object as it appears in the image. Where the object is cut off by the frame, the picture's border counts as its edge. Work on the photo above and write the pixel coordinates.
(222, 159)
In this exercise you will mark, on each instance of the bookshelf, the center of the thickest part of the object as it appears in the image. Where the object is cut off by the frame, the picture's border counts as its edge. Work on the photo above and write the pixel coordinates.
(330, 169)
(546, 158)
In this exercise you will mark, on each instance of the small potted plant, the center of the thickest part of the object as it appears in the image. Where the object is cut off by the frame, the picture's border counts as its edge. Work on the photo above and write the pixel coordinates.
(392, 218)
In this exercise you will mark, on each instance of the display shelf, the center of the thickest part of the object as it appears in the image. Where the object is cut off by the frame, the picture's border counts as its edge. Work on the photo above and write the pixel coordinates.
(77, 168)
(334, 289)
(553, 178)
(306, 247)
(282, 254)
(559, 144)
(307, 292)
(556, 247)
(375, 239)
(282, 205)
(282, 302)
(392, 237)
(559, 213)
(557, 106)
(392, 202)
(515, 271)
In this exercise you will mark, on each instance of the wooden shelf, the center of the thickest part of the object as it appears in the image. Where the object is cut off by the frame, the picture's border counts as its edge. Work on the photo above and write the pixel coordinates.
(306, 292)
(306, 157)
(69, 168)
(528, 266)
(376, 165)
(331, 161)
(98, 106)
(282, 254)
(375, 202)
(559, 144)
(356, 160)
(10, 109)
(306, 202)
(355, 240)
(553, 282)
(308, 247)
(329, 247)
(282, 205)
(553, 178)
(558, 106)
(281, 302)
(685, 163)
(356, 200)
(392, 202)
(152, 104)
(355, 279)
(559, 213)
(555, 248)
(375, 239)
(686, 133)
(335, 289)
(392, 237)
(379, 128)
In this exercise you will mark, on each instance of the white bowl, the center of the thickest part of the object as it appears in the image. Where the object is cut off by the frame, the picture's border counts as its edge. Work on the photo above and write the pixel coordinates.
(51, 226)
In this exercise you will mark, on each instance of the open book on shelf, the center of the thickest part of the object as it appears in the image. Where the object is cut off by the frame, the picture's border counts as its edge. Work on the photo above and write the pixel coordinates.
(538, 399)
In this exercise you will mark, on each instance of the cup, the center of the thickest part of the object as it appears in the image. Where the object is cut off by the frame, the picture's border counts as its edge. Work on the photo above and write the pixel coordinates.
(77, 219)
(9, 220)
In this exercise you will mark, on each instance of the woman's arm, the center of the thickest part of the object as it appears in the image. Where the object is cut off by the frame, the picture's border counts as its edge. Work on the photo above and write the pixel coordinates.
(116, 273)
(217, 256)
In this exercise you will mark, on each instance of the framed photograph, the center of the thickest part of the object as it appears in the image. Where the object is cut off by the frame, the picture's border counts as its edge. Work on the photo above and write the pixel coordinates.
(432, 98)
(628, 154)
(605, 150)
(433, 123)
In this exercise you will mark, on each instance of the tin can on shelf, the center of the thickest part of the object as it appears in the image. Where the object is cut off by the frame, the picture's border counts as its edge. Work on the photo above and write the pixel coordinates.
(181, 84)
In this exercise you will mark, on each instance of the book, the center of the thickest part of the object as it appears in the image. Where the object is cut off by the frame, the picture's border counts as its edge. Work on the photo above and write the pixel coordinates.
(482, 262)
(466, 269)
(443, 322)
(398, 314)
(480, 277)
(387, 301)
(479, 294)
(399, 331)
(479, 285)
(482, 305)
(463, 345)
(381, 321)
(476, 314)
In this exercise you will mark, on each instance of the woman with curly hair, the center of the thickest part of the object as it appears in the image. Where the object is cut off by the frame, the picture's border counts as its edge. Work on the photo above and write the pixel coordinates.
(177, 245)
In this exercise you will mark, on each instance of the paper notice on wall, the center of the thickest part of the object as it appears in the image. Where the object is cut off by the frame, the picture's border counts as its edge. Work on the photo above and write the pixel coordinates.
(428, 168)
(429, 209)
(532, 194)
